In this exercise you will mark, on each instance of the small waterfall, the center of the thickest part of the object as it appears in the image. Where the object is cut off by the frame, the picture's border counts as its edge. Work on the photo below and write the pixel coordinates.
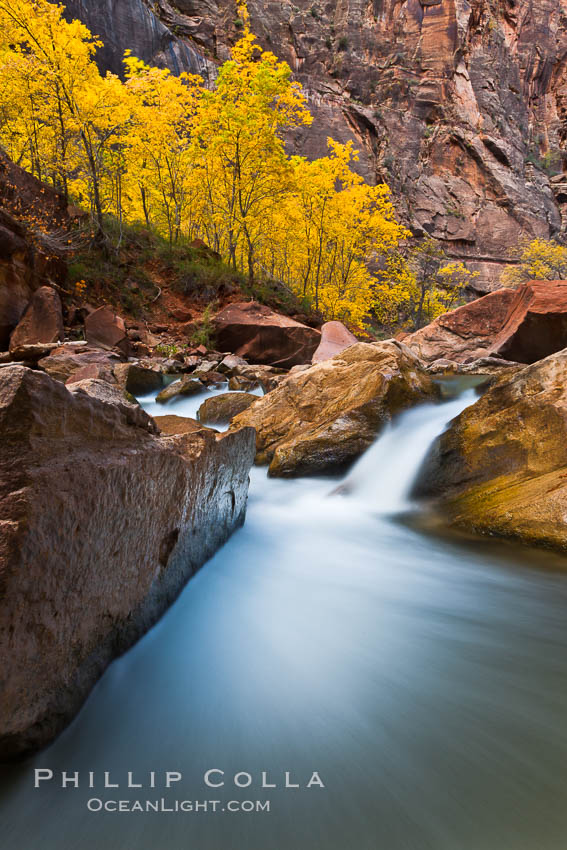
(384, 475)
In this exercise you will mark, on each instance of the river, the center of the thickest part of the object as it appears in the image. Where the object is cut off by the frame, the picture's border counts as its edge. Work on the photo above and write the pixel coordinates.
(422, 677)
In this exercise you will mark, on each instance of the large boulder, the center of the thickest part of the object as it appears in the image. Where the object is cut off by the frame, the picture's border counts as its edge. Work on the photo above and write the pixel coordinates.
(137, 378)
(42, 321)
(334, 339)
(501, 467)
(523, 325)
(220, 409)
(322, 419)
(74, 361)
(105, 329)
(29, 258)
(102, 524)
(260, 335)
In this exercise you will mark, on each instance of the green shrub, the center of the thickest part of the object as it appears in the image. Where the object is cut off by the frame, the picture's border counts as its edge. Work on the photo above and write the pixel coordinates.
(204, 332)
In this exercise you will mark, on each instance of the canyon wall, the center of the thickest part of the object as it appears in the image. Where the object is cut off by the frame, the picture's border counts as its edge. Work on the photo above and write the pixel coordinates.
(461, 108)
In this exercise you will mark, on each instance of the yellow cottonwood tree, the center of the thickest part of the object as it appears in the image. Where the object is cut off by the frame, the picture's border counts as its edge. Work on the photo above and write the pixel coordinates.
(239, 146)
(61, 118)
(158, 147)
(189, 161)
(338, 223)
(539, 259)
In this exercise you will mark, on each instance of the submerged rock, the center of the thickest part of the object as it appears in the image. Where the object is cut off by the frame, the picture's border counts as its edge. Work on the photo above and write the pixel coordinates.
(102, 524)
(220, 409)
(501, 467)
(322, 419)
(183, 386)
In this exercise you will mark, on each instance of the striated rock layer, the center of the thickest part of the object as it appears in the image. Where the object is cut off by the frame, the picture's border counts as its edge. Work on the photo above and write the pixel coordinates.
(102, 523)
(501, 467)
(461, 107)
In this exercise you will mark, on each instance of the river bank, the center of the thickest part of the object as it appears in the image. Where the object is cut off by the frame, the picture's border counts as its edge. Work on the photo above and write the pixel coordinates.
(422, 679)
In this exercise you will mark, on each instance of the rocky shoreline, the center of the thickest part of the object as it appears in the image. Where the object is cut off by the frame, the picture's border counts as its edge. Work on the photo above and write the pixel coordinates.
(106, 512)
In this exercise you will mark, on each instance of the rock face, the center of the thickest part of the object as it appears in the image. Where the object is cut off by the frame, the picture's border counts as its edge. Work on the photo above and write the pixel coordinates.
(322, 419)
(334, 339)
(262, 336)
(106, 330)
(42, 320)
(501, 468)
(461, 108)
(102, 524)
(523, 325)
(220, 409)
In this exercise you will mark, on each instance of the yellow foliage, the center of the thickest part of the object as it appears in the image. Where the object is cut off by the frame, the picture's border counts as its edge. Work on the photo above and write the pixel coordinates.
(540, 259)
(211, 163)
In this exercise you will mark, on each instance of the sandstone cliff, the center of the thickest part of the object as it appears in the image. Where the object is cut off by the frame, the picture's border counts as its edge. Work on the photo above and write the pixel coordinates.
(461, 108)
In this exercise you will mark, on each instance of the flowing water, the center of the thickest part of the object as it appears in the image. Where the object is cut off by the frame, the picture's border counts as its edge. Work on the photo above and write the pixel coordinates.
(423, 678)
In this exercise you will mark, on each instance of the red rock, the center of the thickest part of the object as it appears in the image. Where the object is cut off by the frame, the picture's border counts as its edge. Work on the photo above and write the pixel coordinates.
(105, 329)
(262, 336)
(92, 370)
(334, 339)
(181, 314)
(524, 324)
(42, 321)
(536, 325)
(65, 362)
(102, 524)
(26, 263)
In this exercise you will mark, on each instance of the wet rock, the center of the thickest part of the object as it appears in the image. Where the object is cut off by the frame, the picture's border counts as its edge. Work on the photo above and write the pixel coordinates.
(240, 382)
(102, 525)
(184, 386)
(42, 321)
(207, 366)
(334, 339)
(501, 467)
(267, 376)
(105, 329)
(231, 363)
(171, 425)
(210, 378)
(138, 379)
(222, 408)
(322, 419)
(262, 336)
